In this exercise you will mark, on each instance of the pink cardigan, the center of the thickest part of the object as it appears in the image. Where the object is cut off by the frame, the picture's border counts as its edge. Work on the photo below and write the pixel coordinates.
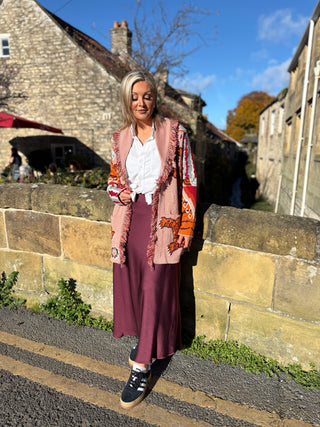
(174, 200)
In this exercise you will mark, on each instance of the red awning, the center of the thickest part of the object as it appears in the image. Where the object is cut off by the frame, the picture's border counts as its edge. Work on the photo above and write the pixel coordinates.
(10, 121)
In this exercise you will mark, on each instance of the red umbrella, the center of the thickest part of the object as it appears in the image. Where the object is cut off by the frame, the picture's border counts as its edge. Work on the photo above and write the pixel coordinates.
(10, 121)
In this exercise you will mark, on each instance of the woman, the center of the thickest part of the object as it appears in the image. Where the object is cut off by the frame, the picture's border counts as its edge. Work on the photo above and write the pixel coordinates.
(14, 163)
(15, 158)
(153, 185)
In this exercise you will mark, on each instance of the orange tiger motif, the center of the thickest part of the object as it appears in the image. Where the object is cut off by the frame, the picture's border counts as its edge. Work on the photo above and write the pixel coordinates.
(174, 224)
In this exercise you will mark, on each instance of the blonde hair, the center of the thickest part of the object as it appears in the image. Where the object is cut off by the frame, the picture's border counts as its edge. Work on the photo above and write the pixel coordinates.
(126, 95)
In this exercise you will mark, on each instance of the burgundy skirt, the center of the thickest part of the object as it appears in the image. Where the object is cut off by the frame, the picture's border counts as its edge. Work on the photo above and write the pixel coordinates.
(145, 301)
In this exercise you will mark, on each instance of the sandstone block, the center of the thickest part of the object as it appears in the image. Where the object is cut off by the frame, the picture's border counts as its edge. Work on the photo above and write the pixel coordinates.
(86, 241)
(211, 316)
(32, 299)
(209, 220)
(3, 240)
(263, 231)
(15, 196)
(276, 336)
(74, 201)
(94, 284)
(237, 274)
(28, 266)
(33, 232)
(297, 289)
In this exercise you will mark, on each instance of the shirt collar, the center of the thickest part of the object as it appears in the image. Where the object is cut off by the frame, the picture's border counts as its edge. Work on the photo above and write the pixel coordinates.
(134, 134)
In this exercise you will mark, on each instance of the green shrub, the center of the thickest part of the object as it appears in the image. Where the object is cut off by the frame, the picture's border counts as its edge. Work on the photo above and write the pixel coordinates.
(68, 305)
(6, 291)
(93, 178)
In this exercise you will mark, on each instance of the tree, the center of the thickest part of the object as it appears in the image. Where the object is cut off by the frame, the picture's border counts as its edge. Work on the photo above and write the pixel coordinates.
(245, 117)
(162, 42)
(7, 76)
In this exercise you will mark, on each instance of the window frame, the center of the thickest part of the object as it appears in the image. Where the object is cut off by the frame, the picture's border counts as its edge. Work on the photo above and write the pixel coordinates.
(281, 119)
(66, 149)
(4, 37)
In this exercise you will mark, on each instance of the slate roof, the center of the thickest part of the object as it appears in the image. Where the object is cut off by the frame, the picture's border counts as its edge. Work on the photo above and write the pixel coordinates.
(220, 134)
(98, 52)
(250, 139)
(191, 95)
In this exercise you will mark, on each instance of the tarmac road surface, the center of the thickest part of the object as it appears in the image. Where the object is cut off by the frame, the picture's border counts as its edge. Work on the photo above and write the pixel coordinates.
(56, 374)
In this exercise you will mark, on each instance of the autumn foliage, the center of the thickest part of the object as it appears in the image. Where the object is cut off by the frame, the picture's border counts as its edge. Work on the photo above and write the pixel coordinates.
(244, 118)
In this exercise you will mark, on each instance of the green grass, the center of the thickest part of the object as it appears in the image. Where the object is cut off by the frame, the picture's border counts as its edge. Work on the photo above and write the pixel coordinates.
(69, 306)
(262, 205)
(235, 354)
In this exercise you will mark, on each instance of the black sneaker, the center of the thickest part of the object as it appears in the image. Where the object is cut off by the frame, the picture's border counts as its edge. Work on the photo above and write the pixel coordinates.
(135, 389)
(133, 355)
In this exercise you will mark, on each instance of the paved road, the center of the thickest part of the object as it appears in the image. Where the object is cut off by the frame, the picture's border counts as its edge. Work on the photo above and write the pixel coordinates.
(55, 374)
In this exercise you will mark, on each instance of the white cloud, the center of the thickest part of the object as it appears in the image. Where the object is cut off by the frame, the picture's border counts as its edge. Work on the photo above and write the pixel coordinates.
(273, 79)
(280, 26)
(238, 74)
(259, 55)
(197, 83)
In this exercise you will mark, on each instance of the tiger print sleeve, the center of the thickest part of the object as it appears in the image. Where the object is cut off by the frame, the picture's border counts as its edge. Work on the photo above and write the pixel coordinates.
(189, 186)
(114, 188)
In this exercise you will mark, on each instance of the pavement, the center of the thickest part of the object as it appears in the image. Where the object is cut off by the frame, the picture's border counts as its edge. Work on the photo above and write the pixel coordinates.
(56, 374)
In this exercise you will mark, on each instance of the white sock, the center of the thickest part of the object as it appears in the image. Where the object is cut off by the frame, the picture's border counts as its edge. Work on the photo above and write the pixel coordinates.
(140, 368)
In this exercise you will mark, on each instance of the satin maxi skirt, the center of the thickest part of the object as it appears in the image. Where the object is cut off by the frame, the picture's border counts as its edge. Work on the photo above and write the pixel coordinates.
(145, 301)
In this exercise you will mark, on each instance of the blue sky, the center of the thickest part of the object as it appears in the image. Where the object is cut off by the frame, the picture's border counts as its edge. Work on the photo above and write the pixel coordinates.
(252, 48)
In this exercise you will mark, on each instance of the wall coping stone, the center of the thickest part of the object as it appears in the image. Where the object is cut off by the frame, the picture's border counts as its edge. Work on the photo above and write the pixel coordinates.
(263, 232)
(80, 202)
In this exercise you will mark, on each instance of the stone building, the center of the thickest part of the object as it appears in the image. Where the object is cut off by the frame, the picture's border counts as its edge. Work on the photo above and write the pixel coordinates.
(301, 152)
(68, 80)
(299, 177)
(269, 153)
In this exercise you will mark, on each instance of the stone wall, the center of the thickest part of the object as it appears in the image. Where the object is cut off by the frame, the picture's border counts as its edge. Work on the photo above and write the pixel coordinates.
(250, 276)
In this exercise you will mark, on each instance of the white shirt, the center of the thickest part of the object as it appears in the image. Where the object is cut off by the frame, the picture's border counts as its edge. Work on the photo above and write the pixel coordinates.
(143, 166)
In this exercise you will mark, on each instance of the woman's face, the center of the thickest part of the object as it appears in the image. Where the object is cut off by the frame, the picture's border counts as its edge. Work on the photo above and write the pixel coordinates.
(142, 102)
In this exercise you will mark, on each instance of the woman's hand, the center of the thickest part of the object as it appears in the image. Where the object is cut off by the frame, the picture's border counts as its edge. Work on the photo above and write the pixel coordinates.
(184, 241)
(125, 197)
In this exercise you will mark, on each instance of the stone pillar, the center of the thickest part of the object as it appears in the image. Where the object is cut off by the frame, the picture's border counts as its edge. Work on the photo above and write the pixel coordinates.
(121, 39)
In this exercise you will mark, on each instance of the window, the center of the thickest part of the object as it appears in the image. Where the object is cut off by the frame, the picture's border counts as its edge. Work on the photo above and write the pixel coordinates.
(273, 119)
(4, 46)
(297, 128)
(262, 126)
(60, 152)
(287, 142)
(281, 116)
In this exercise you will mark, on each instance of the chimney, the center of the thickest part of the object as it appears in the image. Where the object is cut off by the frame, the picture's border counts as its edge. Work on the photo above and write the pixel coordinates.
(121, 39)
(161, 76)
